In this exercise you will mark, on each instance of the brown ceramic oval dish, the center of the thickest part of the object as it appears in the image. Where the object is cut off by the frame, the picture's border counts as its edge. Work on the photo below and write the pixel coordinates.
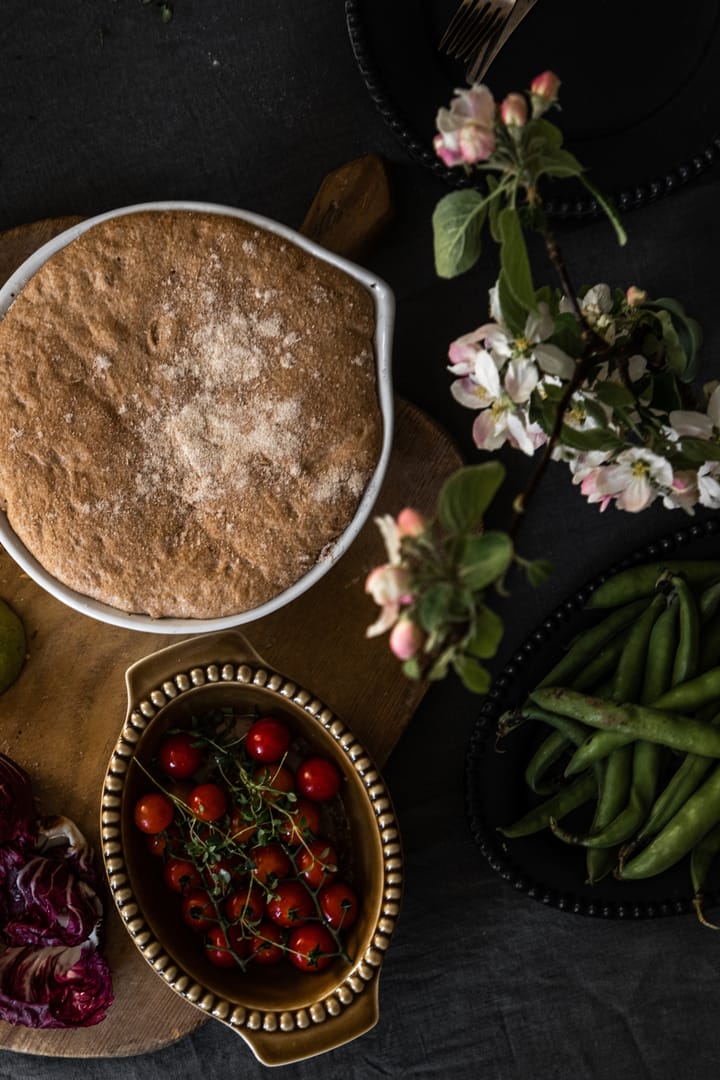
(297, 1015)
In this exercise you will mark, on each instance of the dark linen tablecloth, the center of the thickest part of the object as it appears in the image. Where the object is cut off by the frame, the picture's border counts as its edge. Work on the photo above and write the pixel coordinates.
(251, 103)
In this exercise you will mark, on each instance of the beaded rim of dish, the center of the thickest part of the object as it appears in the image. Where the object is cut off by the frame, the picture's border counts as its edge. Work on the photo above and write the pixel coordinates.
(365, 969)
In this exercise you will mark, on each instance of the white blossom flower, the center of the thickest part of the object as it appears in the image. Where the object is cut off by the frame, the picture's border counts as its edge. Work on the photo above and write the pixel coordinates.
(466, 129)
(696, 424)
(708, 481)
(683, 494)
(596, 307)
(635, 479)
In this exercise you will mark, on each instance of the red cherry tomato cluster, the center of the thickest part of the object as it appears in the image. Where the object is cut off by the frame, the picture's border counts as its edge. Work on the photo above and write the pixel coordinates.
(243, 840)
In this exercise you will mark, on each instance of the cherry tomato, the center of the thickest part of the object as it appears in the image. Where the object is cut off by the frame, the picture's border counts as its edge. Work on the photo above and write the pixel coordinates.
(178, 756)
(208, 802)
(181, 875)
(220, 875)
(223, 948)
(198, 910)
(153, 812)
(339, 904)
(291, 904)
(311, 947)
(318, 779)
(240, 830)
(247, 905)
(302, 821)
(276, 780)
(270, 863)
(267, 740)
(317, 862)
(166, 842)
(266, 944)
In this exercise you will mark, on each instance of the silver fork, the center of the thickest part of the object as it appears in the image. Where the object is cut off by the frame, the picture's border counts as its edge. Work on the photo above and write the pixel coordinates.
(473, 31)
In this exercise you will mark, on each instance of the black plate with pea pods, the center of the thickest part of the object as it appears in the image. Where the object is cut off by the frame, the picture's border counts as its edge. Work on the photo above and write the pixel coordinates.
(542, 866)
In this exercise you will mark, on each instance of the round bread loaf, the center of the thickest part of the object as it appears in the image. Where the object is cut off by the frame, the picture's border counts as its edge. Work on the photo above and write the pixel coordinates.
(189, 412)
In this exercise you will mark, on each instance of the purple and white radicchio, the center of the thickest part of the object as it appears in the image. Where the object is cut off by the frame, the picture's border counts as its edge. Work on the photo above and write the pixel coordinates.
(52, 972)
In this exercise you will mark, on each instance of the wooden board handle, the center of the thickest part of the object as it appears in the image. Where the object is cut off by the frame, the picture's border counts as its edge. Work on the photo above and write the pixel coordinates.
(352, 208)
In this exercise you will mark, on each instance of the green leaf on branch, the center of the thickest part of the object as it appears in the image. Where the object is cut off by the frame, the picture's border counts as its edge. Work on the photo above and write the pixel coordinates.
(538, 571)
(677, 359)
(466, 495)
(474, 676)
(688, 331)
(485, 559)
(614, 394)
(487, 634)
(557, 162)
(434, 606)
(457, 222)
(493, 207)
(514, 314)
(567, 334)
(542, 133)
(700, 450)
(592, 439)
(411, 669)
(514, 260)
(607, 207)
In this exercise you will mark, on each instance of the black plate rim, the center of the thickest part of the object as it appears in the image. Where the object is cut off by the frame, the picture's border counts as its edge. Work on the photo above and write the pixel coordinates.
(576, 209)
(491, 847)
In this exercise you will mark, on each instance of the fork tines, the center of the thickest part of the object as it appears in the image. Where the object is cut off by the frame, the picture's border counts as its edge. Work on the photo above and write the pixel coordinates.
(474, 21)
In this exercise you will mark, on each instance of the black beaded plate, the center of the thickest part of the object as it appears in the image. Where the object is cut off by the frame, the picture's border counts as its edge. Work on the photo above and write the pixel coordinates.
(640, 95)
(542, 866)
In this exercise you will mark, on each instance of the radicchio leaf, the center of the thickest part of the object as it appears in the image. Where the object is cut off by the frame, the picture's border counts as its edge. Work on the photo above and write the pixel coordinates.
(51, 972)
(50, 905)
(54, 987)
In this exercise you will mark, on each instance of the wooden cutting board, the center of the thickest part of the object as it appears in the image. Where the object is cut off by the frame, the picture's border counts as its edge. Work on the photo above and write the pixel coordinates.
(62, 717)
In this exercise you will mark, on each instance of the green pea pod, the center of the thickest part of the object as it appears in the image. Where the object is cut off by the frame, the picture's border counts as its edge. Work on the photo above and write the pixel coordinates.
(605, 663)
(631, 665)
(661, 650)
(678, 731)
(702, 857)
(687, 655)
(683, 782)
(633, 809)
(695, 818)
(548, 753)
(613, 786)
(589, 642)
(557, 806)
(596, 747)
(638, 581)
(709, 602)
(692, 694)
(571, 729)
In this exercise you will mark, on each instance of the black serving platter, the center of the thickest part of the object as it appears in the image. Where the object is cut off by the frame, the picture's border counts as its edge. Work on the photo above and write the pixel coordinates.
(640, 95)
(542, 866)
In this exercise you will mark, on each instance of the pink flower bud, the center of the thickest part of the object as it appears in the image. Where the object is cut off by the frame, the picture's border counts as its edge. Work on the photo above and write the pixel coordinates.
(406, 638)
(545, 85)
(389, 585)
(544, 91)
(410, 522)
(635, 297)
(513, 111)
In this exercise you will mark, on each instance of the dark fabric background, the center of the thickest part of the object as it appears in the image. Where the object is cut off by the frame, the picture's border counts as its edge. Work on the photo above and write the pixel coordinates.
(251, 103)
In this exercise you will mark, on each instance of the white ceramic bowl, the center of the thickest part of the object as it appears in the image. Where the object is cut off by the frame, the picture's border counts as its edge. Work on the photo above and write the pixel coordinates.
(384, 319)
